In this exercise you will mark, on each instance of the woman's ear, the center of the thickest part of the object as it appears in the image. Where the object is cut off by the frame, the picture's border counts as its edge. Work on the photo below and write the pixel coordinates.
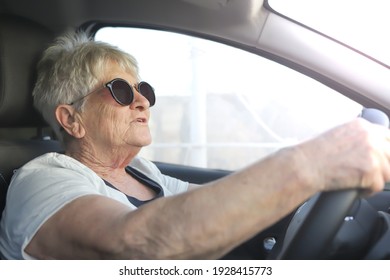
(70, 120)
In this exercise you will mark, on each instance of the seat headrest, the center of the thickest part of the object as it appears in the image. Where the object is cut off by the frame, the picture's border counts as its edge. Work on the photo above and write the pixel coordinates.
(21, 45)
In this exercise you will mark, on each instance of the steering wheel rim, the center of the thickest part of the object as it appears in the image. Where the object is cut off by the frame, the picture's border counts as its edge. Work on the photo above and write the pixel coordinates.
(313, 233)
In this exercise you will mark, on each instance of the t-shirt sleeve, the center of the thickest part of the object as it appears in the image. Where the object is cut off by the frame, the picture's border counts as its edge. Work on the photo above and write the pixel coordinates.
(38, 190)
(33, 200)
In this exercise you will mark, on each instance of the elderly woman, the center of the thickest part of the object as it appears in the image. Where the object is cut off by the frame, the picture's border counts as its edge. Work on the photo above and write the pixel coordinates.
(100, 201)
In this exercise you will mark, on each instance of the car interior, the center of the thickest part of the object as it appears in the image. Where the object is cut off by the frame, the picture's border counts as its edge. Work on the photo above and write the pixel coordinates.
(26, 29)
(22, 42)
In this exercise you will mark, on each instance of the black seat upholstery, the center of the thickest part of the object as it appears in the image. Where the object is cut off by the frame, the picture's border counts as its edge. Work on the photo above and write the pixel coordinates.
(21, 44)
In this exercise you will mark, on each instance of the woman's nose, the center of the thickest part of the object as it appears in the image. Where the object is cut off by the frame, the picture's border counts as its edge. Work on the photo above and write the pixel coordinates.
(140, 102)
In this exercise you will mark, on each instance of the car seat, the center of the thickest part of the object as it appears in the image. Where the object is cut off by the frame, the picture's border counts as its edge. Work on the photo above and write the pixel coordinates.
(22, 130)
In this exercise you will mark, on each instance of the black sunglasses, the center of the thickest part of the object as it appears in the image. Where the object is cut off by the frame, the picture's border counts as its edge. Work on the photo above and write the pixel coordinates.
(123, 93)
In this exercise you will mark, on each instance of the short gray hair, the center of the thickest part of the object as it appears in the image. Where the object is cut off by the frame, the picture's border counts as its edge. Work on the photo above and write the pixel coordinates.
(72, 67)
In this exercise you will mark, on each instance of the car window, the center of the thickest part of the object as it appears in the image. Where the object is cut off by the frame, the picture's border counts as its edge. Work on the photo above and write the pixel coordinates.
(221, 107)
(366, 28)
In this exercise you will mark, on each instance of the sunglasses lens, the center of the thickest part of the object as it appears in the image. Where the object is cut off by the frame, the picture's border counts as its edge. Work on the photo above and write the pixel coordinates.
(148, 92)
(124, 95)
(122, 92)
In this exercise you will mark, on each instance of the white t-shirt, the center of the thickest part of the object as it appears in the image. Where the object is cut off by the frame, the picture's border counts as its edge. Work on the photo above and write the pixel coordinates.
(44, 185)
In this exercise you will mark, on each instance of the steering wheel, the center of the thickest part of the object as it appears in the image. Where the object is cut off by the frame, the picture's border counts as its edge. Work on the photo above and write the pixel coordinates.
(317, 221)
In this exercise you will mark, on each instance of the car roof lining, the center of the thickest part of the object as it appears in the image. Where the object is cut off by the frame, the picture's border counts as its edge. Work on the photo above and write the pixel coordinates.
(203, 16)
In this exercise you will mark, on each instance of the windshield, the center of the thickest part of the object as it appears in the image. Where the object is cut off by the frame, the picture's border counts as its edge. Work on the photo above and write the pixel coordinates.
(360, 24)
